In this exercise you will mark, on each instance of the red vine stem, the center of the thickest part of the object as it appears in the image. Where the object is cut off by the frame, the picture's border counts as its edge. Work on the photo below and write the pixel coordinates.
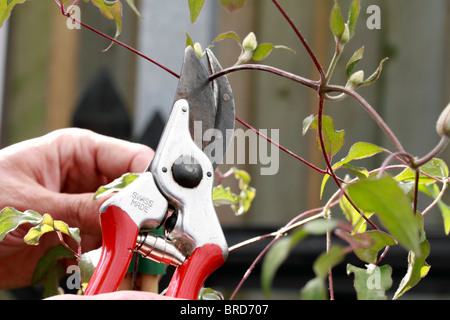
(302, 39)
(120, 43)
(289, 152)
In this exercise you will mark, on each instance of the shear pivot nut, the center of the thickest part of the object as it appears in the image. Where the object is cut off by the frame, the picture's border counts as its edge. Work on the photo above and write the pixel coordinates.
(187, 172)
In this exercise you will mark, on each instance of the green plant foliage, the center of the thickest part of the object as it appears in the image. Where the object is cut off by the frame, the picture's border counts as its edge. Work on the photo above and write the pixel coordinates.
(417, 266)
(11, 219)
(49, 269)
(280, 251)
(6, 7)
(360, 150)
(116, 185)
(195, 6)
(384, 197)
(47, 224)
(232, 4)
(370, 243)
(333, 139)
(371, 283)
(239, 203)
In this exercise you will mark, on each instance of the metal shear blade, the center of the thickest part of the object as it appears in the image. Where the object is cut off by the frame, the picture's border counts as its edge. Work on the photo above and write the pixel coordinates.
(211, 104)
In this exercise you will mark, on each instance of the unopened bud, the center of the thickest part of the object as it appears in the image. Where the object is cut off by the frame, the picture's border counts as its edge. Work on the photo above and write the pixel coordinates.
(355, 80)
(250, 42)
(443, 123)
(345, 38)
(198, 50)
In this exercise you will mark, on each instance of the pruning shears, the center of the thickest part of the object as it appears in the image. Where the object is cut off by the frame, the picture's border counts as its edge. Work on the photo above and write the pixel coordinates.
(175, 191)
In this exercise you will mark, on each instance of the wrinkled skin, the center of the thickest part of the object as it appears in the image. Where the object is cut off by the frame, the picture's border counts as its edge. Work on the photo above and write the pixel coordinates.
(58, 174)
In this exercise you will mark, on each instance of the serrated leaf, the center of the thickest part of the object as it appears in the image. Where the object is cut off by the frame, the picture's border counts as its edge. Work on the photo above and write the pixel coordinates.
(371, 243)
(333, 139)
(353, 16)
(5, 9)
(11, 219)
(374, 77)
(337, 24)
(371, 283)
(116, 185)
(384, 197)
(232, 4)
(195, 7)
(357, 56)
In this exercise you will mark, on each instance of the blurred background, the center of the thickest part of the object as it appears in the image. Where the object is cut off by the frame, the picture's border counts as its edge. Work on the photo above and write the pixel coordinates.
(53, 77)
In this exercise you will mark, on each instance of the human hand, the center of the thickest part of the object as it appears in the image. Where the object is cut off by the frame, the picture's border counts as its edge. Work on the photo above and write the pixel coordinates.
(58, 174)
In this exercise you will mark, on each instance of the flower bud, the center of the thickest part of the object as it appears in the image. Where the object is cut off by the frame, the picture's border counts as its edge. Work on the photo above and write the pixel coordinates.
(198, 50)
(345, 38)
(443, 123)
(250, 43)
(355, 80)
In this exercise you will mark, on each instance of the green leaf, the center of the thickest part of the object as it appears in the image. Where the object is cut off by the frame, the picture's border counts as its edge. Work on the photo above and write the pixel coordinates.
(224, 196)
(371, 283)
(11, 219)
(232, 4)
(374, 77)
(417, 266)
(280, 251)
(111, 11)
(6, 8)
(264, 49)
(228, 35)
(50, 258)
(277, 254)
(432, 190)
(371, 243)
(354, 217)
(134, 8)
(333, 139)
(358, 151)
(353, 16)
(195, 6)
(116, 185)
(88, 262)
(328, 260)
(210, 294)
(357, 56)
(315, 289)
(337, 24)
(384, 197)
(436, 168)
(239, 203)
(46, 225)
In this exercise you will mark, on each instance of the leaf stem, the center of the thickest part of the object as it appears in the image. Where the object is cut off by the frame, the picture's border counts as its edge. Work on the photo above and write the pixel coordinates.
(439, 147)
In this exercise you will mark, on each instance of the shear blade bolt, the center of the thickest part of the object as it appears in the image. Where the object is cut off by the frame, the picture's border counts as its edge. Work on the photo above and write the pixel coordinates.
(187, 172)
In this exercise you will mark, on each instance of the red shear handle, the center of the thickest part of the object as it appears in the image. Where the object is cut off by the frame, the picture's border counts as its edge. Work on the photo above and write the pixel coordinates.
(190, 276)
(119, 239)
